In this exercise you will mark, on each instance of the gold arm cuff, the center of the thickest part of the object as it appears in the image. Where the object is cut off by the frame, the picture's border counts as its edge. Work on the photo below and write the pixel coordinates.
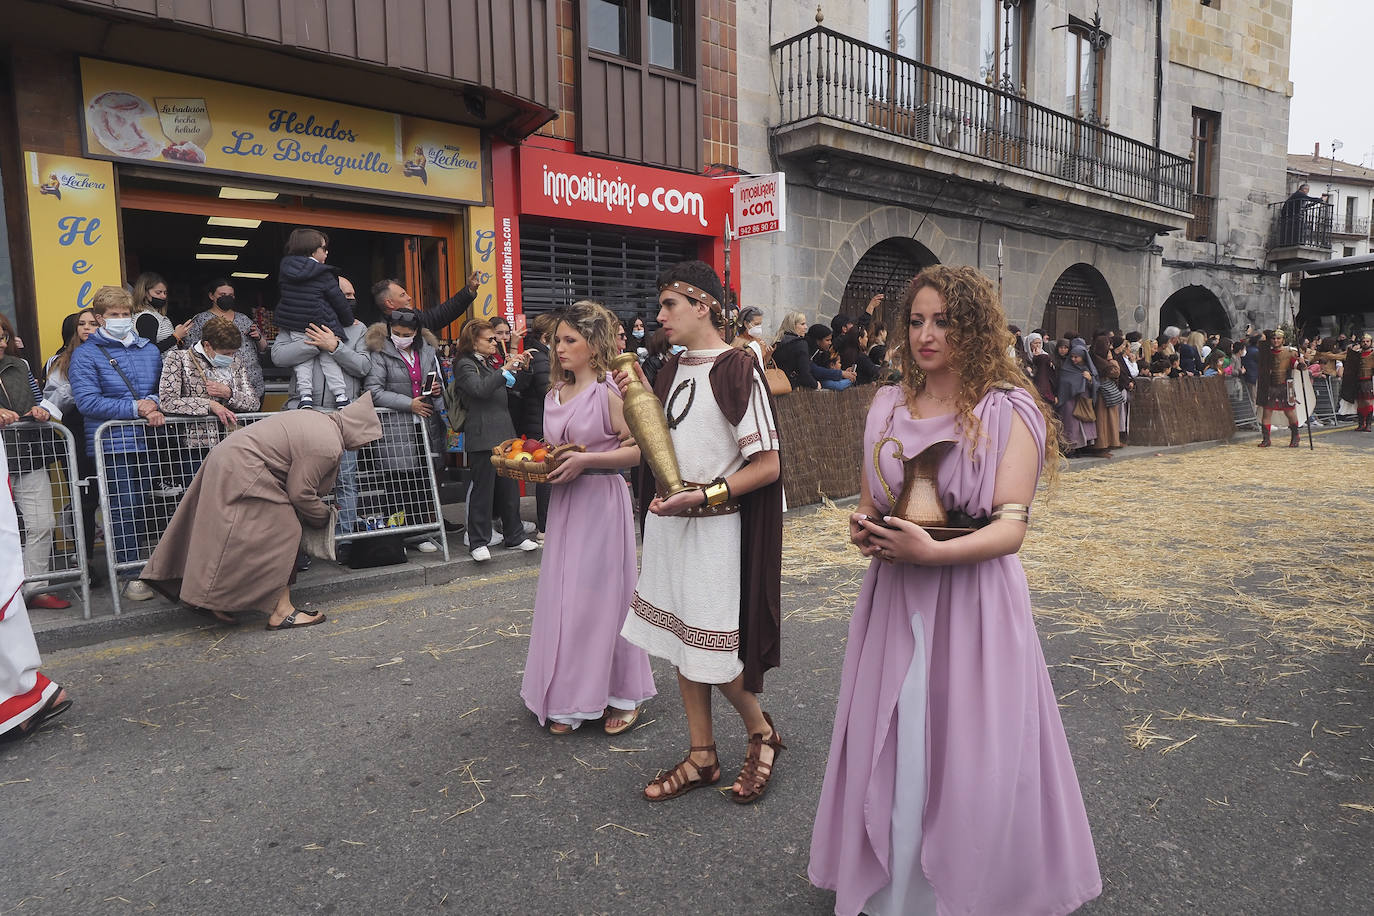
(1012, 511)
(717, 493)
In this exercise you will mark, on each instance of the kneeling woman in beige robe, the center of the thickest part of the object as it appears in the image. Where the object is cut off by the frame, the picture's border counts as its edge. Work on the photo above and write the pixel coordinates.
(232, 544)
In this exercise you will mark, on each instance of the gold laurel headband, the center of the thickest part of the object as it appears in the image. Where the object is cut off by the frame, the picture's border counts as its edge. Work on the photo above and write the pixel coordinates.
(700, 295)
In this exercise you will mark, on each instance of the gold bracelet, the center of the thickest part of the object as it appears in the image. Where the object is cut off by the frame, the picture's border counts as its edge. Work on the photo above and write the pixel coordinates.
(717, 492)
(1012, 511)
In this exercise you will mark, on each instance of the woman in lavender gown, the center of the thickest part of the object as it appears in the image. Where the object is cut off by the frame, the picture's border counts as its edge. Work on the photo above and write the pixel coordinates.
(579, 667)
(949, 786)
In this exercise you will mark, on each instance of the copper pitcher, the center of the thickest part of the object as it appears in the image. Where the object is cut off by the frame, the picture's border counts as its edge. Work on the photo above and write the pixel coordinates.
(919, 502)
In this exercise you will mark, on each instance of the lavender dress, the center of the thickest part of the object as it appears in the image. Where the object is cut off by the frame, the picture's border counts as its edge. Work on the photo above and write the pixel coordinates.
(578, 663)
(950, 788)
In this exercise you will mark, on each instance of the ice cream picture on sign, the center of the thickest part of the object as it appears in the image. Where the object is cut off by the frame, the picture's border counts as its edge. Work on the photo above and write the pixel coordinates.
(186, 122)
(117, 121)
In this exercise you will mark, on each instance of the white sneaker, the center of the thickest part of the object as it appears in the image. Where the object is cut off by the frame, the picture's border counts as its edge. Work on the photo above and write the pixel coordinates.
(427, 547)
(137, 590)
(525, 545)
(481, 554)
(169, 491)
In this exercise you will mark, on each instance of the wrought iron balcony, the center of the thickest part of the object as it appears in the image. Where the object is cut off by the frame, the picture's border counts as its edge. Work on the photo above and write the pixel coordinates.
(823, 74)
(1305, 226)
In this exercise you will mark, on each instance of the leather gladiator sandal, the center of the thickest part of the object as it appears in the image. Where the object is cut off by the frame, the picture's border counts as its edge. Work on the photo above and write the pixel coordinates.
(755, 774)
(1293, 441)
(676, 782)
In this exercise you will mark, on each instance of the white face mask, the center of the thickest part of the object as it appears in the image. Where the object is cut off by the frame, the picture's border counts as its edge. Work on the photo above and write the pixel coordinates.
(402, 343)
(119, 328)
(756, 331)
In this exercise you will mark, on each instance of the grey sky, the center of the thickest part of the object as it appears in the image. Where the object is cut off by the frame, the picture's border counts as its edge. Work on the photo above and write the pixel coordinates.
(1331, 98)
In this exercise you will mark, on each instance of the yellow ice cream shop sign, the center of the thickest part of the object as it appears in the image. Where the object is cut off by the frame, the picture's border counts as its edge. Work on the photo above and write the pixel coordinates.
(153, 117)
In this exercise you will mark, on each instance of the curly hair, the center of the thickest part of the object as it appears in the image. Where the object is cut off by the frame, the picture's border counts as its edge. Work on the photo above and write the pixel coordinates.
(978, 341)
(222, 334)
(597, 325)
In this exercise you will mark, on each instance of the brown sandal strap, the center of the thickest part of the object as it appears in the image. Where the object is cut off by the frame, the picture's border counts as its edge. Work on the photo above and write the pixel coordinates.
(706, 775)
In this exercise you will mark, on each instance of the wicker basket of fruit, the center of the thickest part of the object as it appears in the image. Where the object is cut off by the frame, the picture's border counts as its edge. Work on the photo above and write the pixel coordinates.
(528, 459)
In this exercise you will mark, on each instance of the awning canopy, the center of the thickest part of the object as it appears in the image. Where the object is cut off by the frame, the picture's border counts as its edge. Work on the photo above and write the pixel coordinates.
(1341, 286)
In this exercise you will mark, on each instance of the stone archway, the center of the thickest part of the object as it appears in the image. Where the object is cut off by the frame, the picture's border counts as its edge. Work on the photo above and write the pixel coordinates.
(1079, 304)
(1195, 308)
(885, 268)
(883, 224)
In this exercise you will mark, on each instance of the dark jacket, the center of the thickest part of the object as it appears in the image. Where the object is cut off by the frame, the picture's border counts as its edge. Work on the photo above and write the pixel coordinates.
(388, 379)
(310, 294)
(444, 314)
(793, 356)
(527, 395)
(820, 366)
(483, 390)
(102, 394)
(851, 355)
(1189, 360)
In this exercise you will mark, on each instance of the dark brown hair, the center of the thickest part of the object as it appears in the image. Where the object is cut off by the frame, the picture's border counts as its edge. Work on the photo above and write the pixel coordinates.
(304, 241)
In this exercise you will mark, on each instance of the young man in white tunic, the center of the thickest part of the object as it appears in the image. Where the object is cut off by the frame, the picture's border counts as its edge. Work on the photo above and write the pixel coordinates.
(687, 607)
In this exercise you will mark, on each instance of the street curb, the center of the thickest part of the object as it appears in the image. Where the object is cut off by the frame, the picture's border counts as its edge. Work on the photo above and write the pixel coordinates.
(160, 615)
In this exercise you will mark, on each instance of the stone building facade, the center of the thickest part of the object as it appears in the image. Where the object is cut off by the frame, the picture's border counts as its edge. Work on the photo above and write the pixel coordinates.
(1045, 146)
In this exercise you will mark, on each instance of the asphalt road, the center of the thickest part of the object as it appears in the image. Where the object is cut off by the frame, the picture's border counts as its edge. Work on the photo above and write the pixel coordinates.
(384, 763)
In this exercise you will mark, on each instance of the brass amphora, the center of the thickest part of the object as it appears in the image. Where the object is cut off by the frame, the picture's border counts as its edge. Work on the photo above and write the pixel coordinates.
(644, 416)
(919, 502)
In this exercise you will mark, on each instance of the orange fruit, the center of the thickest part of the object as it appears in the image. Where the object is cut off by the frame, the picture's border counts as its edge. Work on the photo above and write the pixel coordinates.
(539, 454)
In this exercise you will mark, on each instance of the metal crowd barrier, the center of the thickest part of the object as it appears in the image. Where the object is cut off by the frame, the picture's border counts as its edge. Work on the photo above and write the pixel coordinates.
(47, 486)
(390, 487)
(1328, 401)
(1242, 408)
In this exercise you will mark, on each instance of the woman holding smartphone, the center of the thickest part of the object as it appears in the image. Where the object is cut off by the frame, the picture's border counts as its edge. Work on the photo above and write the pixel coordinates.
(403, 378)
(950, 787)
(579, 667)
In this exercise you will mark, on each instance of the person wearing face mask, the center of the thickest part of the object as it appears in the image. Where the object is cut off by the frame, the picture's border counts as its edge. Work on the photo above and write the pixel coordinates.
(404, 356)
(150, 313)
(220, 294)
(638, 340)
(115, 376)
(205, 380)
(750, 335)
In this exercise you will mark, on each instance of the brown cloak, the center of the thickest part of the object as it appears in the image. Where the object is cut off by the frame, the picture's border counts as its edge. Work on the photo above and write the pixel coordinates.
(231, 546)
(760, 615)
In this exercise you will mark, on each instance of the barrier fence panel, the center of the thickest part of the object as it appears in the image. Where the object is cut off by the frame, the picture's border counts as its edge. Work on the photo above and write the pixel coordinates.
(386, 487)
(1242, 408)
(47, 488)
(1328, 398)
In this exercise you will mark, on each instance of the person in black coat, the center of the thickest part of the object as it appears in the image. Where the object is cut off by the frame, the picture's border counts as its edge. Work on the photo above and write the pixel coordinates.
(791, 353)
(852, 348)
(389, 295)
(527, 403)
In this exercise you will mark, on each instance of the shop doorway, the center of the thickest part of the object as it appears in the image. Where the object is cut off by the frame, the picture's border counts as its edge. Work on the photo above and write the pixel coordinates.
(192, 238)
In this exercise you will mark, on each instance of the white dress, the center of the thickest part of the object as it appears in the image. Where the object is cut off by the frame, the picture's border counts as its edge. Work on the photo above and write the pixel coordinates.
(686, 607)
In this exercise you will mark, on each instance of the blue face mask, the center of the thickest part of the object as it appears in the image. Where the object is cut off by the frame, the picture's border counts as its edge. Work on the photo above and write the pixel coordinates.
(119, 328)
(222, 360)
(675, 349)
(638, 333)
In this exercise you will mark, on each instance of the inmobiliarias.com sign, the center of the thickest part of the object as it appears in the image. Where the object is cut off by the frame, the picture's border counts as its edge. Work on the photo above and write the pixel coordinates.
(569, 186)
(760, 205)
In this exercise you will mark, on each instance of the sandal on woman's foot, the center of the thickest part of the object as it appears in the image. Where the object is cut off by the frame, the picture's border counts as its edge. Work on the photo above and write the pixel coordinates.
(561, 728)
(754, 775)
(627, 720)
(291, 623)
(679, 780)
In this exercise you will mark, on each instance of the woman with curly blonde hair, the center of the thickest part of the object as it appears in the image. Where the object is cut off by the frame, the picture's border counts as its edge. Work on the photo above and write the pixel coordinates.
(950, 786)
(579, 667)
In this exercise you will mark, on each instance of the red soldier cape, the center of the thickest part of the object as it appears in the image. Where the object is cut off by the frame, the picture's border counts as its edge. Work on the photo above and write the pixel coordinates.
(760, 614)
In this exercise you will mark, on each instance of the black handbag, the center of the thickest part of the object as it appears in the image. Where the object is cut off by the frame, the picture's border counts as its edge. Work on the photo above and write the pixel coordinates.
(382, 550)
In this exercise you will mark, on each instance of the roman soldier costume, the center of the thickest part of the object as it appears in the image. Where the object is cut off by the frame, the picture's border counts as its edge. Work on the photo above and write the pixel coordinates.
(1357, 381)
(1276, 361)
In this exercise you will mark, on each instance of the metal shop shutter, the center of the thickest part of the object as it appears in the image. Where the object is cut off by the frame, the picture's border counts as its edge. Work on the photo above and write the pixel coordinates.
(560, 265)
